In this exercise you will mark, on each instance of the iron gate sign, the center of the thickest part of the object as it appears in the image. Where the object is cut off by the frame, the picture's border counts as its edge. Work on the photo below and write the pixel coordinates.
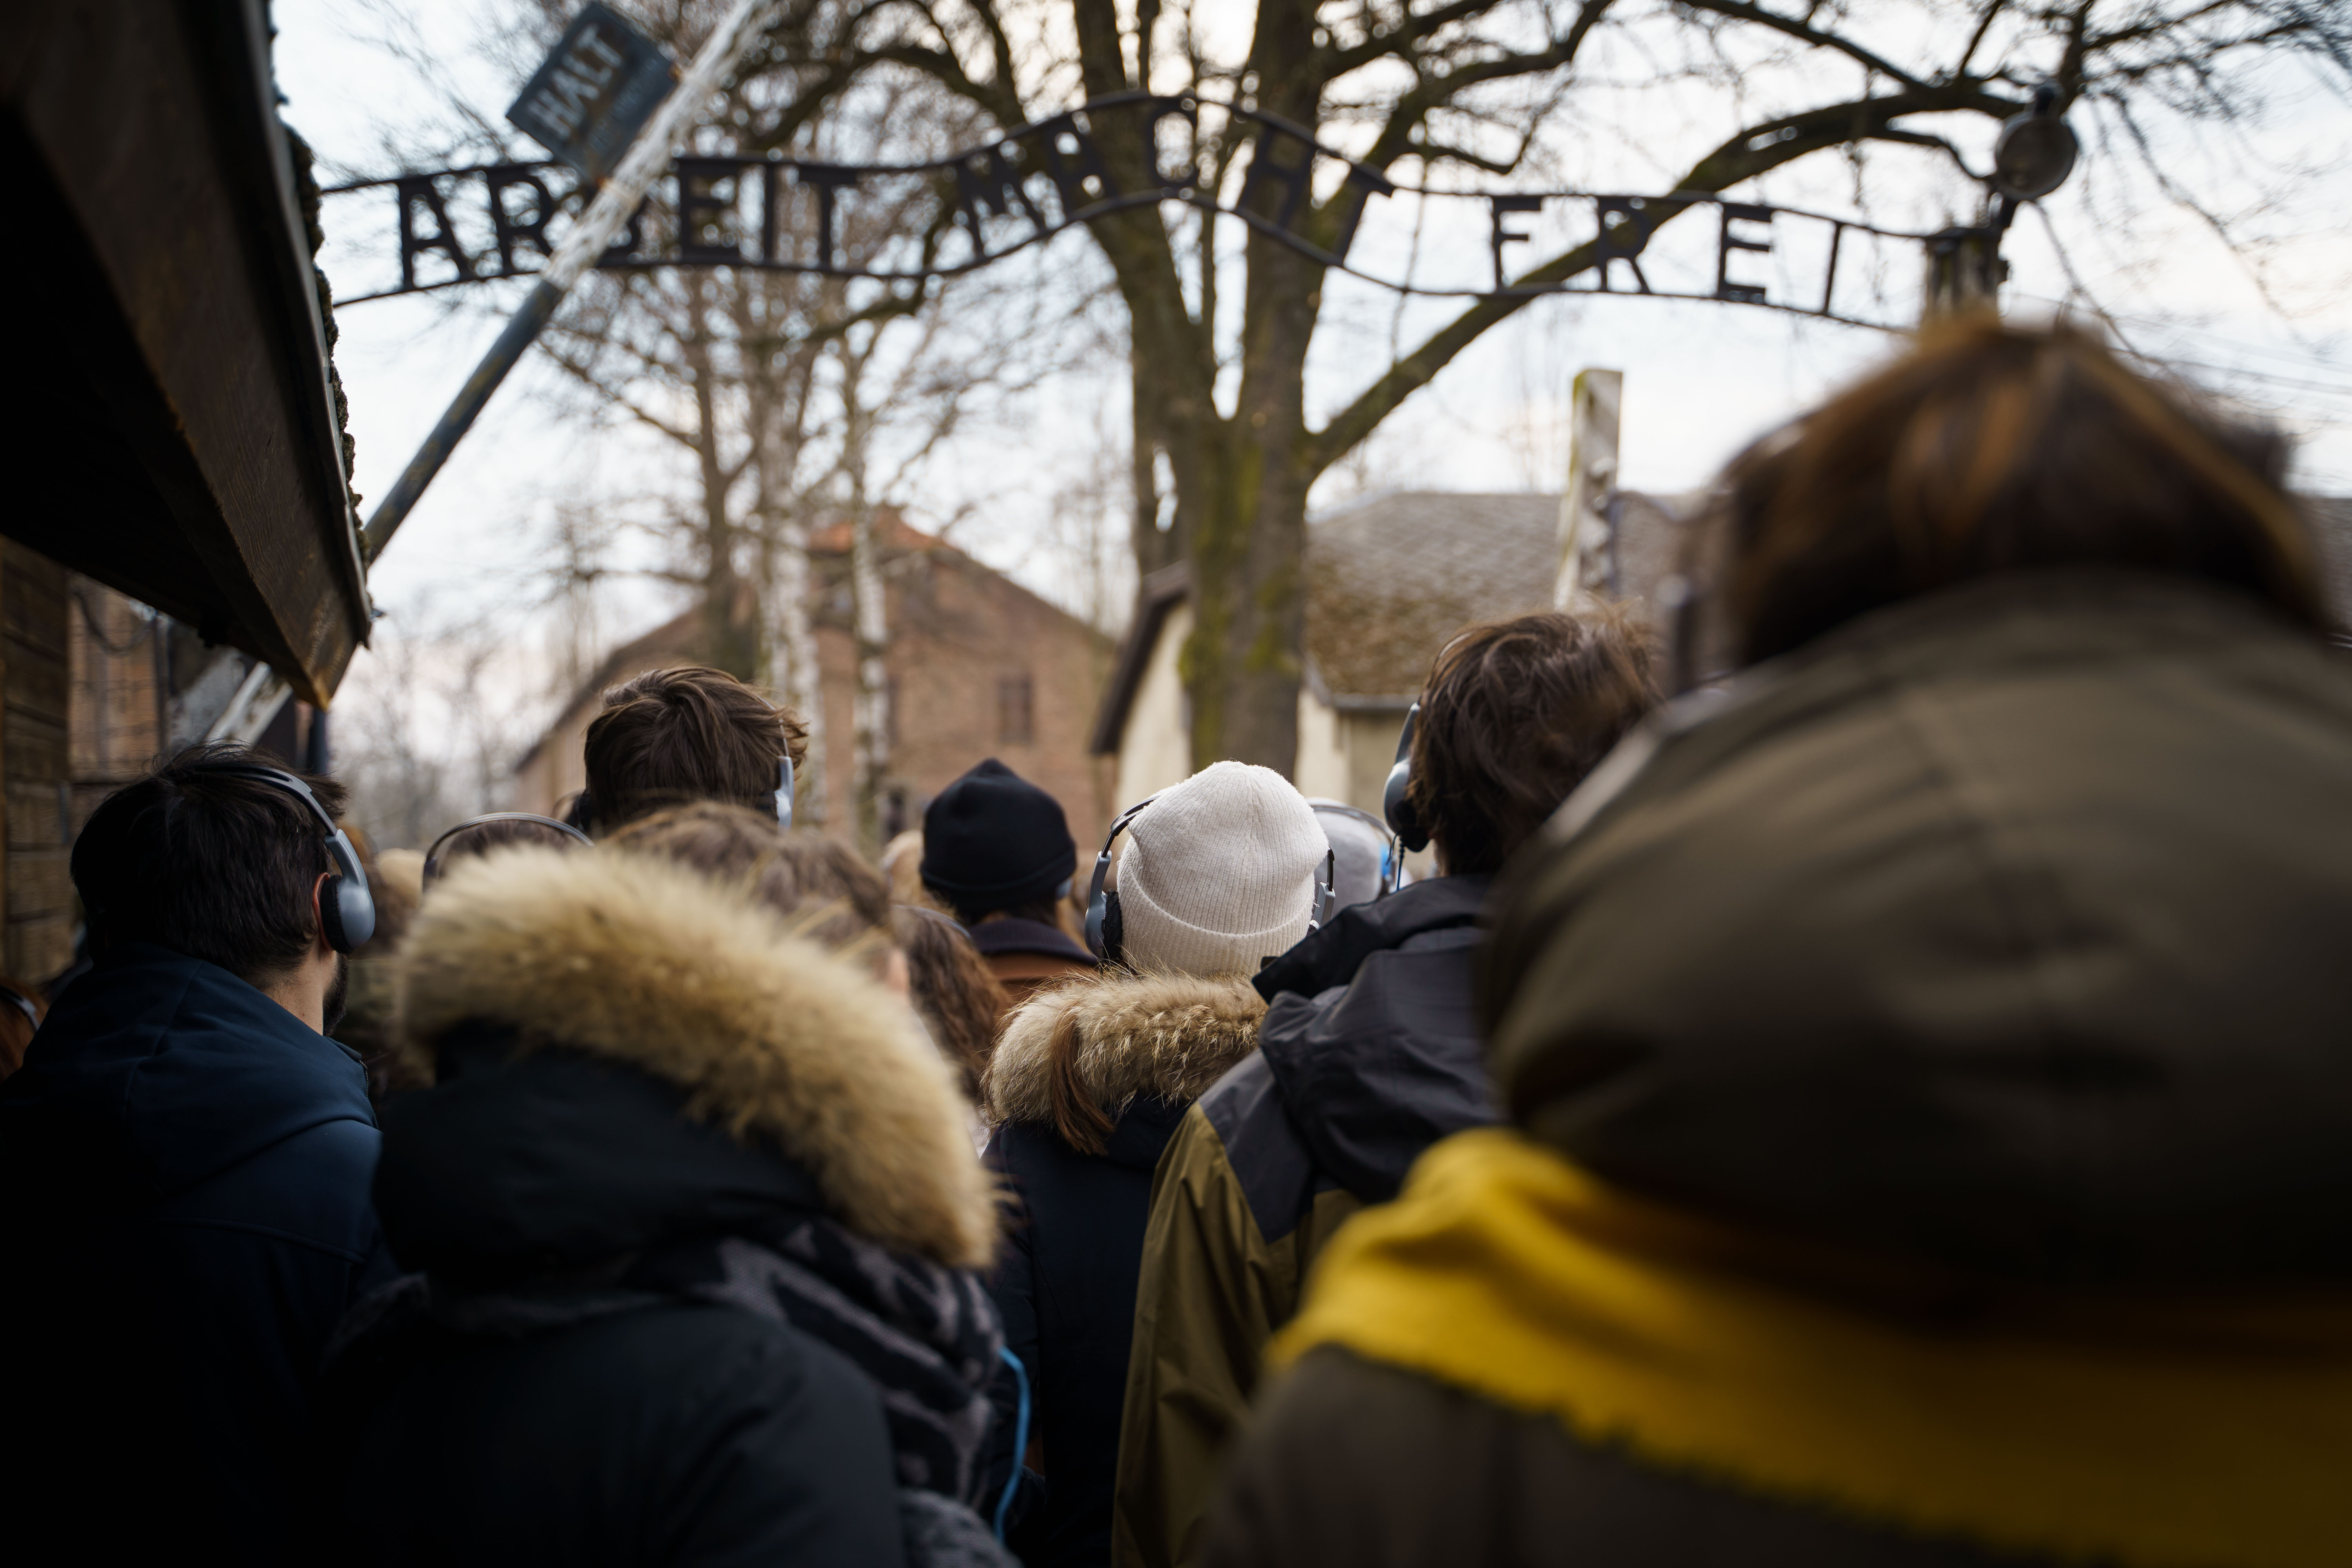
(785, 215)
(594, 91)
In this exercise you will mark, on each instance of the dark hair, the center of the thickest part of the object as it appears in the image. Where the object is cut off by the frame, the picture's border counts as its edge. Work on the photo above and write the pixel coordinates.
(953, 987)
(208, 863)
(1994, 448)
(670, 736)
(835, 898)
(485, 837)
(1513, 716)
(1046, 911)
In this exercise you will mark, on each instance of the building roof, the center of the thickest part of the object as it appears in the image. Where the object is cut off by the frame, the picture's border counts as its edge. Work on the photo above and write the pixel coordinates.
(185, 444)
(1389, 578)
(681, 635)
(2331, 522)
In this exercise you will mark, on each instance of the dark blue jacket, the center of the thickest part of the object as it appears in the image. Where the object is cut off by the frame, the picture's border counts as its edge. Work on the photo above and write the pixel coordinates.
(187, 1170)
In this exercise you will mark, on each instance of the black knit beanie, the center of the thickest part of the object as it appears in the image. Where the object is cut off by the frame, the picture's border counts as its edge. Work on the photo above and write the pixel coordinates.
(992, 840)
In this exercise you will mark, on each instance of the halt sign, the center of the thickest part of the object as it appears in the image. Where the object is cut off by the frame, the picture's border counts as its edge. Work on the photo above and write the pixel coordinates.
(594, 91)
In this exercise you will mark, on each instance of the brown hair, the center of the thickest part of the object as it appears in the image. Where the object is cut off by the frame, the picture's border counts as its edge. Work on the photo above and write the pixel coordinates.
(670, 736)
(833, 897)
(954, 988)
(1513, 716)
(1993, 448)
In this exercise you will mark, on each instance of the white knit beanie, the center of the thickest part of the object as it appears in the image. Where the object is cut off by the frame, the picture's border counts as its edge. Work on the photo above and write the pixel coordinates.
(1219, 873)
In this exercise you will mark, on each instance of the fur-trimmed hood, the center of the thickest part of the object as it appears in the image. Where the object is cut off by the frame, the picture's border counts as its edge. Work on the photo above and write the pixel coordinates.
(1138, 1036)
(637, 960)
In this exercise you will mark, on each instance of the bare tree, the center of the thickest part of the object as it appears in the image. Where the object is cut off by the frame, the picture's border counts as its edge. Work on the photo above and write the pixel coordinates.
(1444, 88)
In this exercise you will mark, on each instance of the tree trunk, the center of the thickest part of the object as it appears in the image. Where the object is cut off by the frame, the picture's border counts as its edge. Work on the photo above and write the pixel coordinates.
(728, 640)
(870, 626)
(792, 669)
(1247, 540)
(873, 634)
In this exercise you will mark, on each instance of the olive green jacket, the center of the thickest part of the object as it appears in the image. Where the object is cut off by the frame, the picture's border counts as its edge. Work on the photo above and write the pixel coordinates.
(1974, 977)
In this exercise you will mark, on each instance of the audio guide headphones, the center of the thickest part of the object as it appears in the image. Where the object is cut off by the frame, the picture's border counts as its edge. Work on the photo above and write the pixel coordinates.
(1391, 852)
(347, 910)
(1396, 804)
(1104, 927)
(584, 811)
(433, 855)
(1105, 931)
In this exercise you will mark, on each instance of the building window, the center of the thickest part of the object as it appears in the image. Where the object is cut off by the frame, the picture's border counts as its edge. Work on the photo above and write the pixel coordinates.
(1017, 711)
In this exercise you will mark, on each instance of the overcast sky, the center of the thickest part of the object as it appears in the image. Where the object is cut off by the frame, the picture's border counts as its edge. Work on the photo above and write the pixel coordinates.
(1701, 379)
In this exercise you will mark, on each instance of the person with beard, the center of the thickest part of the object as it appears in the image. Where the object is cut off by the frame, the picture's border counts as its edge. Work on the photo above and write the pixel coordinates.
(191, 1156)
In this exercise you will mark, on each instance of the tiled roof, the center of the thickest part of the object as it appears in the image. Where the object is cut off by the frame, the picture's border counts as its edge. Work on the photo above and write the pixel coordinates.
(1389, 578)
(2331, 521)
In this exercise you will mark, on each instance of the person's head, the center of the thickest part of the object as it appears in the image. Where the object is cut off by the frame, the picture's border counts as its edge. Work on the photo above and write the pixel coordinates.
(477, 837)
(214, 864)
(1513, 716)
(993, 843)
(952, 988)
(670, 736)
(819, 884)
(1219, 873)
(1992, 448)
(1366, 859)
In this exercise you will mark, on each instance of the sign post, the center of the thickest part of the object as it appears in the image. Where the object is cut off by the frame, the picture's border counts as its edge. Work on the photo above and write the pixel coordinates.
(562, 96)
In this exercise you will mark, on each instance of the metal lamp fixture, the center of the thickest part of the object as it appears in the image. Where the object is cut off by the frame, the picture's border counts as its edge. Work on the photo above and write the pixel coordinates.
(2035, 151)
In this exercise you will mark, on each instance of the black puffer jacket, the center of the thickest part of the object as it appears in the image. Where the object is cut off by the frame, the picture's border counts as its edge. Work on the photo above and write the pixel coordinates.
(1143, 1048)
(680, 1178)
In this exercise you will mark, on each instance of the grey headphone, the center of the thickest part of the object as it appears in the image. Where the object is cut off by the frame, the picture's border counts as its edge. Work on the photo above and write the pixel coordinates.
(1105, 929)
(348, 910)
(433, 855)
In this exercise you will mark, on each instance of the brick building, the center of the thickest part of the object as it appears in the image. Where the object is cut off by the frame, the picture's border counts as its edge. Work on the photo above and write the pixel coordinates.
(978, 667)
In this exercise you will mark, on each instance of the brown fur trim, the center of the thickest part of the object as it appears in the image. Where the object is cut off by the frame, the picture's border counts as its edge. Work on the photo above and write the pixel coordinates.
(1170, 1037)
(641, 961)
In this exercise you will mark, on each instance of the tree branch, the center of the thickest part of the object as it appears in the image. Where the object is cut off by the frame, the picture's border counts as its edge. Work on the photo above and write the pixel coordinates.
(1802, 29)
(1738, 158)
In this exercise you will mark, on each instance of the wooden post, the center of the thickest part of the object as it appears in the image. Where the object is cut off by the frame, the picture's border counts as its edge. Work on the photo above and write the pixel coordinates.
(1593, 410)
(1964, 274)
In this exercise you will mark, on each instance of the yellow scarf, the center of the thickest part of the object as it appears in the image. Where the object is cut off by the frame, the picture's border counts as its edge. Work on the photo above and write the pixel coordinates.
(2147, 1432)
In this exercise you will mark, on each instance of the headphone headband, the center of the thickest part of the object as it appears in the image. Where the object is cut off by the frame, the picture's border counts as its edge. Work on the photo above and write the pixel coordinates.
(432, 854)
(1103, 931)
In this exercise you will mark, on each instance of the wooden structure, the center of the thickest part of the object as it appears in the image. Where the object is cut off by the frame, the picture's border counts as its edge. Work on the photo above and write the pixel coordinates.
(177, 435)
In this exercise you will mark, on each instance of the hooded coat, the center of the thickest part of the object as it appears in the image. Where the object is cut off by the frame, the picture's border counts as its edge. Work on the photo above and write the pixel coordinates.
(189, 1167)
(1368, 1053)
(654, 1108)
(1934, 1130)
(1144, 1048)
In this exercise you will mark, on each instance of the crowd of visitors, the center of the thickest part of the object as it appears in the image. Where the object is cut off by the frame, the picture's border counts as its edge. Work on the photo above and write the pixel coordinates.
(1859, 1087)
